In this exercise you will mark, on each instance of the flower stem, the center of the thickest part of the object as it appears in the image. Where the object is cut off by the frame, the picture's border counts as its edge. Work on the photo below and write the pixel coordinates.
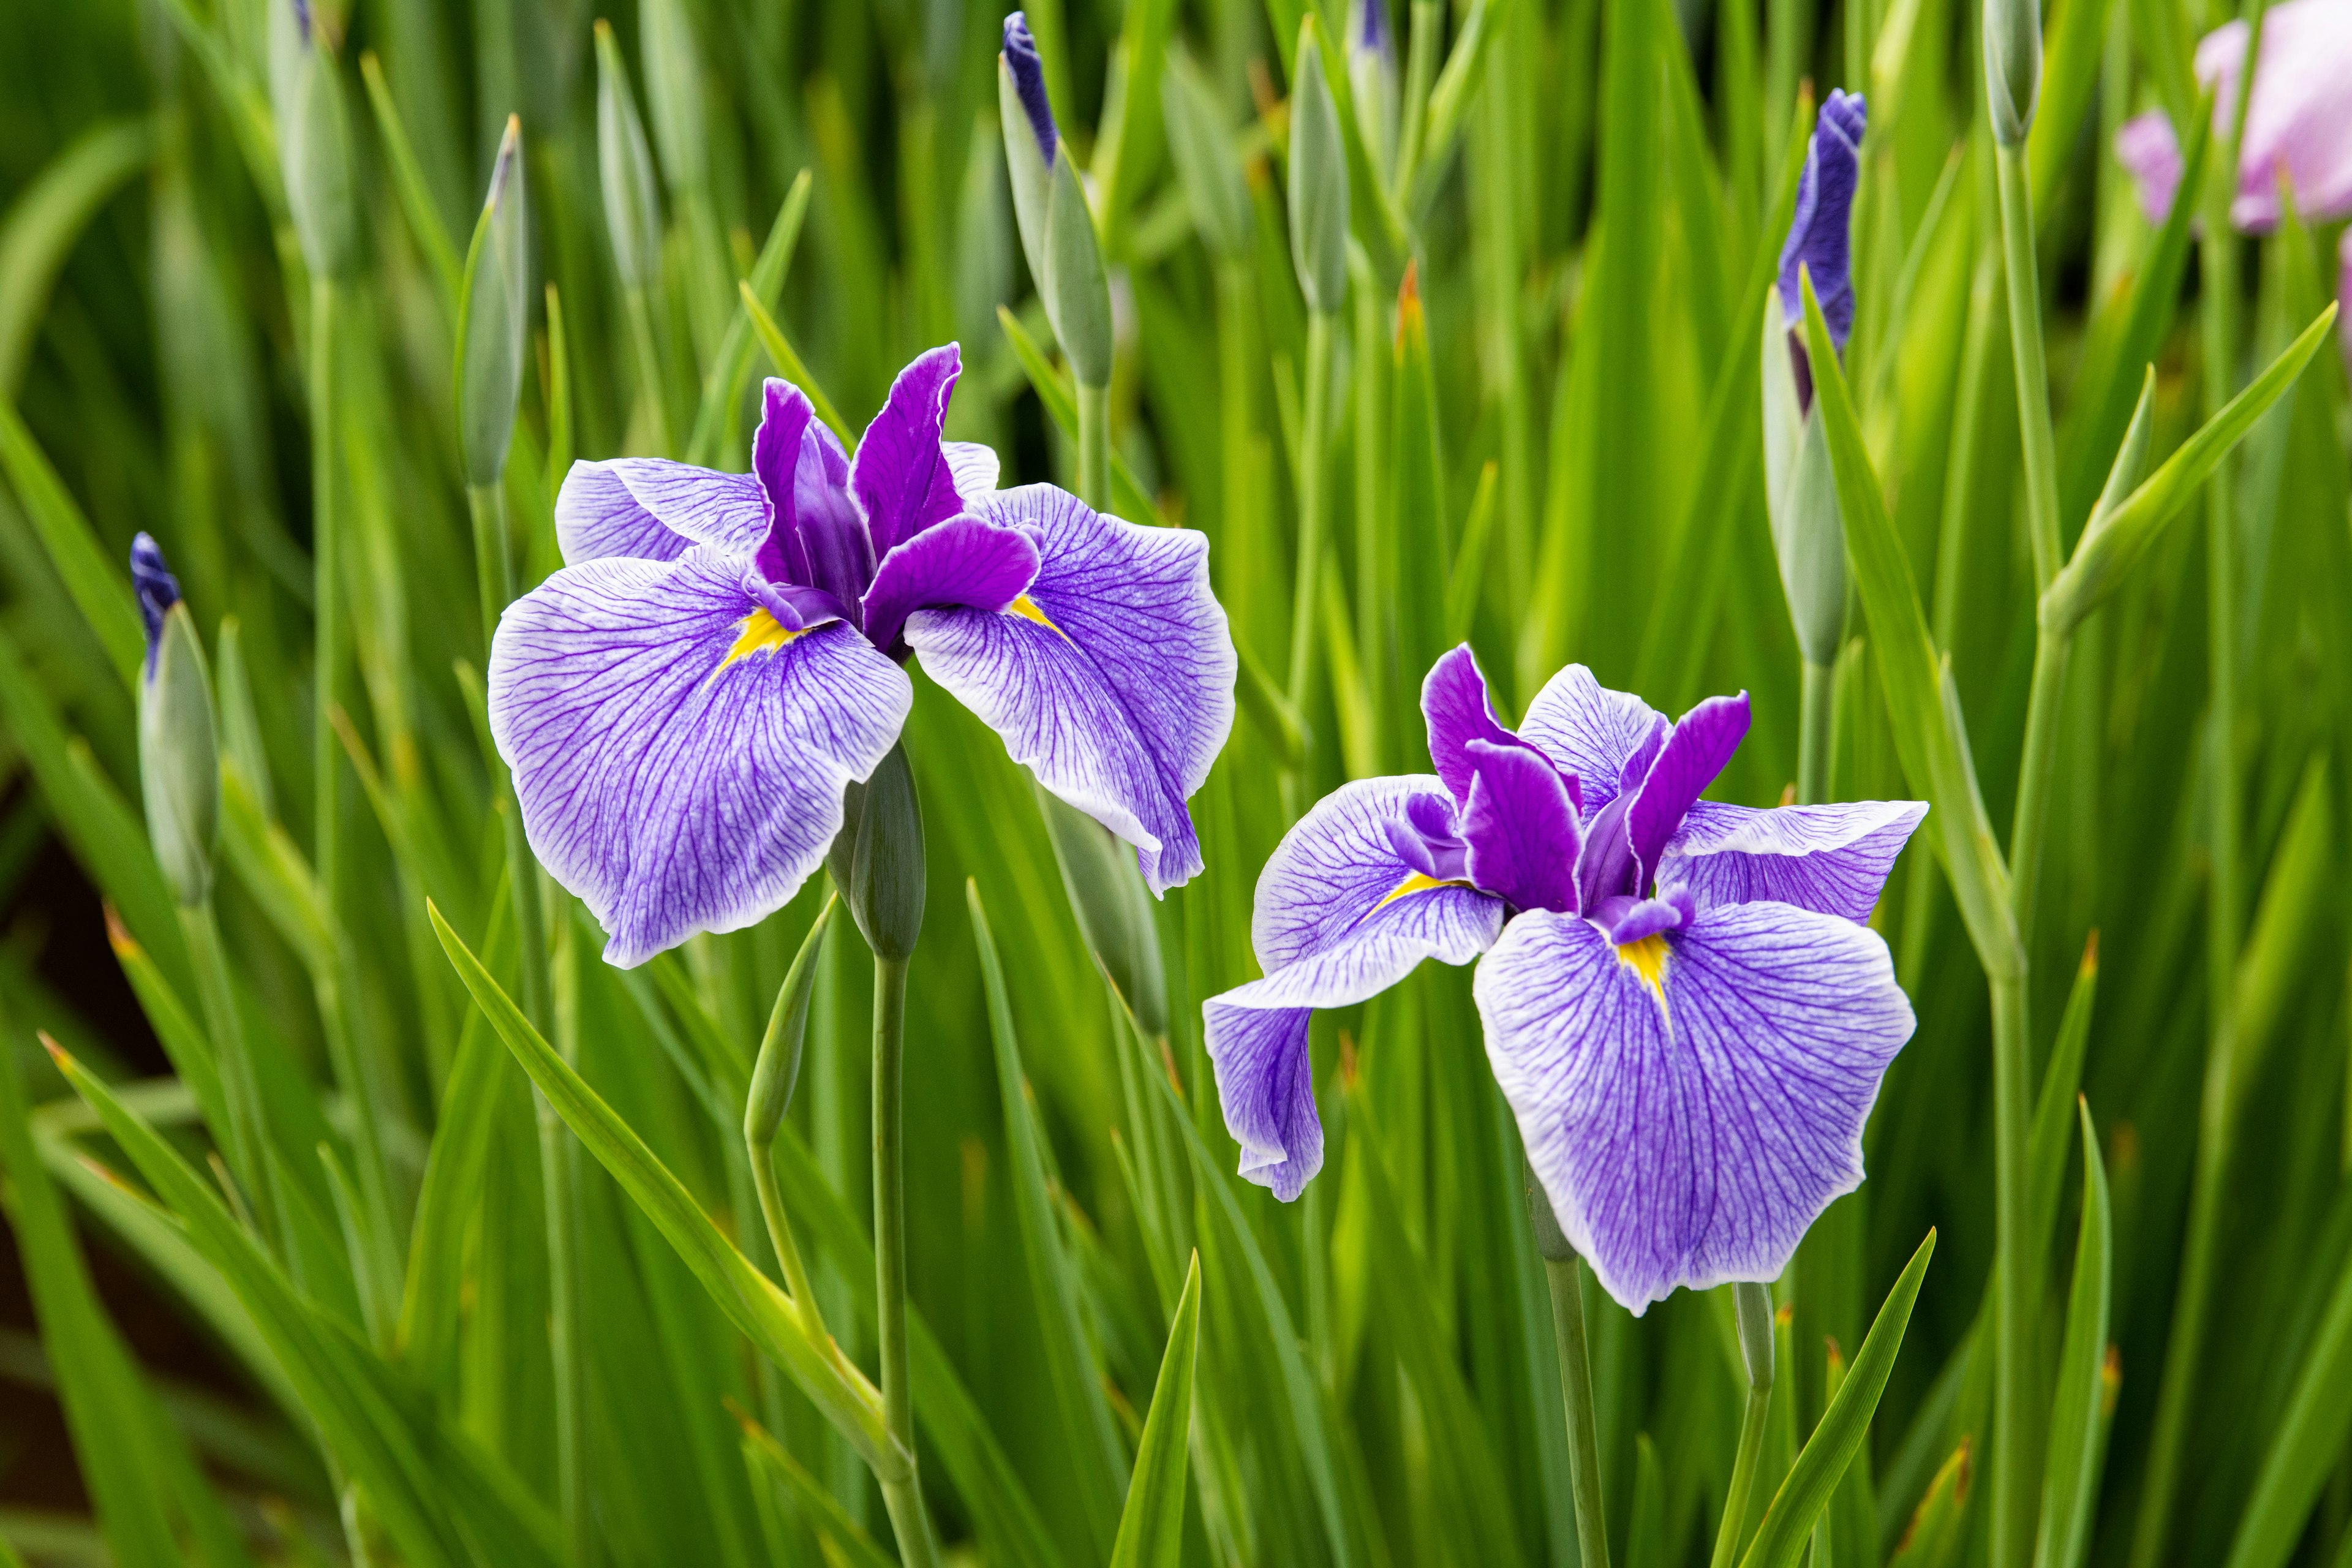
(1314, 424)
(326, 558)
(2014, 1489)
(1754, 1305)
(240, 1085)
(1816, 712)
(1576, 1394)
(559, 1165)
(1094, 446)
(901, 1490)
(2043, 711)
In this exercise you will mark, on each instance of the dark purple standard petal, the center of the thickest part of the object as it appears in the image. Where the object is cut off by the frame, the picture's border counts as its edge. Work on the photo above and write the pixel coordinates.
(1340, 917)
(1425, 838)
(1692, 1101)
(1521, 828)
(815, 537)
(901, 475)
(1029, 80)
(678, 753)
(1693, 755)
(1111, 678)
(1818, 231)
(157, 589)
(1454, 702)
(964, 562)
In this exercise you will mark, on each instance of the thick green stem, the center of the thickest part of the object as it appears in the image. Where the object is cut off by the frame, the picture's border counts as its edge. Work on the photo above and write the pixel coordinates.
(2043, 711)
(650, 380)
(1314, 426)
(1094, 446)
(902, 1487)
(2015, 1485)
(240, 1084)
(1576, 1394)
(1754, 1305)
(1816, 715)
(326, 558)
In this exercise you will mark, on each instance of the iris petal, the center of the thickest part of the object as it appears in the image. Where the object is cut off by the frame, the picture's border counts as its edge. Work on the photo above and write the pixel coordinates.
(1694, 753)
(1521, 827)
(1833, 859)
(1111, 678)
(902, 477)
(650, 508)
(1690, 1124)
(1591, 732)
(966, 561)
(680, 754)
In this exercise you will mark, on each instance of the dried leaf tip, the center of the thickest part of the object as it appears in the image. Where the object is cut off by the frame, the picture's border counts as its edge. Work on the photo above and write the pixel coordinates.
(117, 935)
(2090, 966)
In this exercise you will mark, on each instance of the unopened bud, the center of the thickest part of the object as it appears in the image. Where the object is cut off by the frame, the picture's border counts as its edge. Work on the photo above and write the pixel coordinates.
(178, 767)
(2013, 61)
(314, 142)
(877, 860)
(493, 312)
(1075, 286)
(1801, 499)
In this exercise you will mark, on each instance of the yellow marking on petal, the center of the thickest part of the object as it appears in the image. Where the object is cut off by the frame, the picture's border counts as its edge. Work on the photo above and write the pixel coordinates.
(1027, 608)
(1415, 883)
(761, 630)
(1647, 958)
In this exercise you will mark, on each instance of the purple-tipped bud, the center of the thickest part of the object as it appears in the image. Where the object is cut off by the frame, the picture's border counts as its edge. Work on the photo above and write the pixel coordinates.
(157, 589)
(1029, 79)
(302, 18)
(1372, 35)
(1819, 240)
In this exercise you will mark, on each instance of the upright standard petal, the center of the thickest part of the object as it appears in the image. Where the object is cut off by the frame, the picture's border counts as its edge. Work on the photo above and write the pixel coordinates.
(1340, 917)
(1111, 678)
(1691, 1102)
(650, 508)
(1832, 858)
(1592, 732)
(814, 536)
(1694, 753)
(678, 756)
(1521, 827)
(1454, 704)
(901, 476)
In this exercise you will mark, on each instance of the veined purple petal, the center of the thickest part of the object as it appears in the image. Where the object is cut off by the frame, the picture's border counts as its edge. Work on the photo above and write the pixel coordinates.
(1694, 753)
(1591, 732)
(1111, 678)
(1425, 838)
(650, 508)
(901, 476)
(974, 467)
(1454, 702)
(1521, 827)
(1626, 919)
(2150, 154)
(680, 757)
(814, 536)
(966, 561)
(1029, 80)
(1691, 1102)
(1819, 231)
(1340, 917)
(1833, 859)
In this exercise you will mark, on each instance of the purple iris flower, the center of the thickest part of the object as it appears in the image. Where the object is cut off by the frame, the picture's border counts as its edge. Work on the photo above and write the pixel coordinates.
(1682, 1001)
(684, 702)
(157, 589)
(1820, 229)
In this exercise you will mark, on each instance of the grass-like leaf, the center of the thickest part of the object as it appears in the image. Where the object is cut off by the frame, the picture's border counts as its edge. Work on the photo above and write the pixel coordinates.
(1152, 1525)
(2070, 1490)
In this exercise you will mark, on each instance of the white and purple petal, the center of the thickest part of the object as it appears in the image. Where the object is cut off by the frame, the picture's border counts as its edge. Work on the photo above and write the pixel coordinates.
(1111, 678)
(1594, 733)
(1832, 858)
(902, 475)
(1694, 753)
(678, 756)
(1340, 917)
(650, 508)
(1693, 1102)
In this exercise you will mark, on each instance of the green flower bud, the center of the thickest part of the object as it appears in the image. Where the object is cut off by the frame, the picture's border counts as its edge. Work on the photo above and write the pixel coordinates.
(179, 767)
(493, 313)
(2012, 62)
(778, 1070)
(877, 860)
(1114, 910)
(314, 142)
(1202, 151)
(625, 169)
(1801, 497)
(1024, 162)
(1076, 289)
(1318, 181)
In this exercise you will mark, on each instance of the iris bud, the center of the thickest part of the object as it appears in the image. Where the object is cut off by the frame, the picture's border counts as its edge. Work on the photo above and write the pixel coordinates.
(877, 860)
(1108, 895)
(1372, 72)
(1801, 498)
(493, 311)
(1075, 287)
(314, 142)
(178, 767)
(1030, 139)
(778, 1070)
(1203, 155)
(2012, 62)
(625, 168)
(1319, 182)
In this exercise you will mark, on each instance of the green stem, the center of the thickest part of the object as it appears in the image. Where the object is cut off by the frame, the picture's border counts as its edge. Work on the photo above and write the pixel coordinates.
(1816, 713)
(2014, 1488)
(1094, 446)
(326, 555)
(240, 1084)
(1576, 1394)
(2043, 711)
(2041, 448)
(1314, 425)
(1754, 1305)
(902, 1487)
(650, 380)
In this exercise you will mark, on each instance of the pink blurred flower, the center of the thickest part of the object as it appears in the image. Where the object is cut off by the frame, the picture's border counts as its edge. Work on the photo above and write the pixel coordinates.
(2300, 123)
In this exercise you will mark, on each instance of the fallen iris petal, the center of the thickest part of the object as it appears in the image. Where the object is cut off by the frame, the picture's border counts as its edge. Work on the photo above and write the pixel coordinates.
(1689, 1124)
(1111, 678)
(680, 754)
